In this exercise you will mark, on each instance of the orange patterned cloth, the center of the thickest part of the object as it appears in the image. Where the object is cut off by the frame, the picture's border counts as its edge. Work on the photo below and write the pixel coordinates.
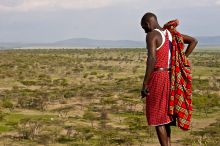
(180, 101)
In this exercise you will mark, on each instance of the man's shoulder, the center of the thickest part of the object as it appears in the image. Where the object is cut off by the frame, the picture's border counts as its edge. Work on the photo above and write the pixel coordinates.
(152, 35)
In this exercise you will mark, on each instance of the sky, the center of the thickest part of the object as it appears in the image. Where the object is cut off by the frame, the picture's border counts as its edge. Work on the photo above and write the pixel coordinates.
(35, 21)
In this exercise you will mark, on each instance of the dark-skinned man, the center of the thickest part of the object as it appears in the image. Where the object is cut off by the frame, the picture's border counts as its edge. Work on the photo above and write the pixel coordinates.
(156, 84)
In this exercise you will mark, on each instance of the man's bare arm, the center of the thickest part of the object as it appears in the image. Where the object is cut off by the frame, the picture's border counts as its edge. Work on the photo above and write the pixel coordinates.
(192, 42)
(151, 59)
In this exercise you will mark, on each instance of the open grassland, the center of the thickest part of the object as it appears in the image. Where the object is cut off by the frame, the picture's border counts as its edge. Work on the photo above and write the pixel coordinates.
(89, 97)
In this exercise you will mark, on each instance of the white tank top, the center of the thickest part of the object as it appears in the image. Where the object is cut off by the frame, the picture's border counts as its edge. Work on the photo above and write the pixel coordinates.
(163, 33)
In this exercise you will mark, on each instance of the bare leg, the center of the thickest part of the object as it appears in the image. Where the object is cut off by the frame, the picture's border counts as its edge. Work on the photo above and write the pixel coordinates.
(168, 134)
(163, 133)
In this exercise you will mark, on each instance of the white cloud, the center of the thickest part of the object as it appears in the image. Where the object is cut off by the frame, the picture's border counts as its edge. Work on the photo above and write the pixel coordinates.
(27, 5)
(166, 4)
(39, 5)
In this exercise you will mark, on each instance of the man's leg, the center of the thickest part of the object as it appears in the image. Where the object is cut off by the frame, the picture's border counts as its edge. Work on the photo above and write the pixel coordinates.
(168, 129)
(163, 133)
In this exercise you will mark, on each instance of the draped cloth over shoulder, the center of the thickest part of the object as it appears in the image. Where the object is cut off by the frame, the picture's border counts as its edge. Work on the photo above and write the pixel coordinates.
(180, 101)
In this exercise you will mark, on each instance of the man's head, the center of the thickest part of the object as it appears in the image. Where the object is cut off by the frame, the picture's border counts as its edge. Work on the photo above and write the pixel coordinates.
(149, 22)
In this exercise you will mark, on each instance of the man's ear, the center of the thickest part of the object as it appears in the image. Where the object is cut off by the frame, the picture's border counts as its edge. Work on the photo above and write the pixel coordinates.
(148, 25)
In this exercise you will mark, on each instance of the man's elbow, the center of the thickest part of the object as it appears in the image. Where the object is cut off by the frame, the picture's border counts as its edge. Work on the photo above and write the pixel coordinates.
(152, 60)
(195, 41)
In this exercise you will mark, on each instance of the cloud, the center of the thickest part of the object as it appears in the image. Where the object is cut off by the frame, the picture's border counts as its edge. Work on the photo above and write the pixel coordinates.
(167, 4)
(28, 5)
(42, 5)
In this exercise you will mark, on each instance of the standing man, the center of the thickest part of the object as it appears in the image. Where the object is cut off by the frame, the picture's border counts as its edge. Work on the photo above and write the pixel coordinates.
(156, 84)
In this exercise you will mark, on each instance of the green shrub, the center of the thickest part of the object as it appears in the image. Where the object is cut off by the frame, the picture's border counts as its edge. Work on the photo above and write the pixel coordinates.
(6, 103)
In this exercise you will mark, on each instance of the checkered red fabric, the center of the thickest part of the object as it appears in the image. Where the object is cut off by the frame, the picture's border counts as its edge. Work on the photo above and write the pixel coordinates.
(159, 89)
(180, 102)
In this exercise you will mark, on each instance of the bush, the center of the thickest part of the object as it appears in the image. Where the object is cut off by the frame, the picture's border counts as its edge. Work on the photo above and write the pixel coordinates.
(29, 83)
(31, 103)
(6, 103)
(69, 94)
(93, 73)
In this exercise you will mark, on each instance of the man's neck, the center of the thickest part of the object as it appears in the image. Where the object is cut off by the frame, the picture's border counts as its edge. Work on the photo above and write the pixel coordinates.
(158, 27)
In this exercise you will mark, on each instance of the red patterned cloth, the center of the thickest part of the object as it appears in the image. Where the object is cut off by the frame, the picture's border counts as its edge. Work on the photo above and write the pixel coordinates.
(159, 89)
(180, 102)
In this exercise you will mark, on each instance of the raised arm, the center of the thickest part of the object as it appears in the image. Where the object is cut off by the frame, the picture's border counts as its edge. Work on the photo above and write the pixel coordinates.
(192, 42)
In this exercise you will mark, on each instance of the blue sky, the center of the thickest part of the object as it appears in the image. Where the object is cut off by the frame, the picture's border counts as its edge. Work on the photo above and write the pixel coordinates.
(54, 20)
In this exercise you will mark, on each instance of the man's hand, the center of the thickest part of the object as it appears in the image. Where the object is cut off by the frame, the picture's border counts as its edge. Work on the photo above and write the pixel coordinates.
(177, 21)
(144, 92)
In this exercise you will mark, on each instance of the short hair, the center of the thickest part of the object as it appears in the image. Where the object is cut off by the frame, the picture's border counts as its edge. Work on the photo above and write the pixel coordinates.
(147, 17)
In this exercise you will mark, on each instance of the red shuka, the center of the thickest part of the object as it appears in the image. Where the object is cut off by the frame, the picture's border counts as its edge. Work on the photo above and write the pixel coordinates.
(180, 102)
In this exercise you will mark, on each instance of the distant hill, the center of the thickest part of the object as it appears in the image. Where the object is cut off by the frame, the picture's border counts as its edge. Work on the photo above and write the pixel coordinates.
(93, 43)
(209, 41)
(10, 45)
(85, 42)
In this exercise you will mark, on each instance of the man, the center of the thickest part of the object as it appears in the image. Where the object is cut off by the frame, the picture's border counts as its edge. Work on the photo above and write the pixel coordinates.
(156, 84)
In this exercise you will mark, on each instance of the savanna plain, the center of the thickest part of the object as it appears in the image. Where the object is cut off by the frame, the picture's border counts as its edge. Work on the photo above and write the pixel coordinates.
(91, 97)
